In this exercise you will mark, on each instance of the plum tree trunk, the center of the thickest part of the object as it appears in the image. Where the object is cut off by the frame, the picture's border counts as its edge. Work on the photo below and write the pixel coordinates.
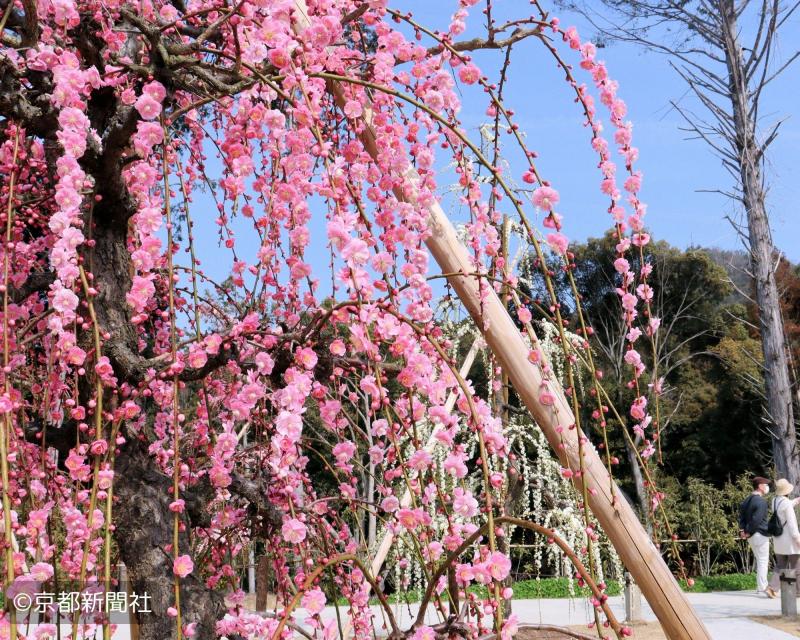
(262, 583)
(141, 515)
(143, 532)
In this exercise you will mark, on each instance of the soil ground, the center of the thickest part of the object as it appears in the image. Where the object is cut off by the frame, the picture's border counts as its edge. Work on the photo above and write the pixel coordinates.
(641, 631)
(653, 630)
(791, 627)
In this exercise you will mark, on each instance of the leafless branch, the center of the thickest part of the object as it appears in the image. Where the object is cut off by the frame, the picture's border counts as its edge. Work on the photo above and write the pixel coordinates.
(490, 43)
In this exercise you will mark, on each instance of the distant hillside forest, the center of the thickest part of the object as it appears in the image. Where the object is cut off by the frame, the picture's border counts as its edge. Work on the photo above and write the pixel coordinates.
(709, 354)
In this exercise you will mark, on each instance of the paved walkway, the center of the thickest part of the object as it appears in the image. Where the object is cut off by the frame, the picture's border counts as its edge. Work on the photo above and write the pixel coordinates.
(725, 614)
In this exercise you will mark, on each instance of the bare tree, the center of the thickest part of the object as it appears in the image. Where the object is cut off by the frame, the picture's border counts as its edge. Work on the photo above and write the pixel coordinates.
(704, 42)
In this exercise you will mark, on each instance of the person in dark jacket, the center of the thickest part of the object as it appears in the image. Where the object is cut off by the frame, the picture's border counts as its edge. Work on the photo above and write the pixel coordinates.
(753, 514)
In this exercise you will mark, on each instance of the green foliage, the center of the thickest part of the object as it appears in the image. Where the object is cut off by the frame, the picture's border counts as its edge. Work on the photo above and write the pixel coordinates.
(557, 588)
(730, 582)
(705, 520)
(707, 354)
(547, 588)
(523, 590)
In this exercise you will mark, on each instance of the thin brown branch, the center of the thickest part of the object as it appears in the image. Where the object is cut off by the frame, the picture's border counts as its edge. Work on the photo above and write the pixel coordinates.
(489, 43)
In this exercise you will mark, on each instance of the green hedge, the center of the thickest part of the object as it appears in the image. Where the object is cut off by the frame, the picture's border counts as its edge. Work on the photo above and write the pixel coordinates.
(559, 588)
(556, 588)
(523, 590)
(731, 582)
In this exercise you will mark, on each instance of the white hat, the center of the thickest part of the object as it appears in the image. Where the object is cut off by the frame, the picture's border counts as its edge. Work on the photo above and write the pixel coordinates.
(783, 487)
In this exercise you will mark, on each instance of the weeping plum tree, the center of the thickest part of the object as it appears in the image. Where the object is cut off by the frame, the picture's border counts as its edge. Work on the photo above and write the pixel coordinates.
(153, 415)
(728, 54)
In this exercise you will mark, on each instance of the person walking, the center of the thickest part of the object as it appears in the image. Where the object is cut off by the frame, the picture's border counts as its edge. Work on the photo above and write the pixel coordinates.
(786, 545)
(753, 528)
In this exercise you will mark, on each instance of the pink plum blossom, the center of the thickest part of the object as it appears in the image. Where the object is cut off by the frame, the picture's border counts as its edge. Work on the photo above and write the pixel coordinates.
(545, 198)
(183, 566)
(148, 107)
(469, 74)
(314, 601)
(558, 242)
(293, 531)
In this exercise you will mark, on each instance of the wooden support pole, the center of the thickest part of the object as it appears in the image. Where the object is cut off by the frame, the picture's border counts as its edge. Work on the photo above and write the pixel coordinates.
(633, 600)
(637, 552)
(788, 593)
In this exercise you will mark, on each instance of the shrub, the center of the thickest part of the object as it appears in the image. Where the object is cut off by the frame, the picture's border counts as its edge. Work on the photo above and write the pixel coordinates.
(556, 588)
(547, 588)
(523, 590)
(732, 582)
(705, 519)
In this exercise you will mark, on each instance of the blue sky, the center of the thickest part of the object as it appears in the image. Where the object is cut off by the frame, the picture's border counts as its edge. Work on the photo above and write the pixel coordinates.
(675, 169)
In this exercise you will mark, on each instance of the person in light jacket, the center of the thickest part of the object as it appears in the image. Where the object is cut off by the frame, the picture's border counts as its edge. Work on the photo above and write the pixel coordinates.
(786, 545)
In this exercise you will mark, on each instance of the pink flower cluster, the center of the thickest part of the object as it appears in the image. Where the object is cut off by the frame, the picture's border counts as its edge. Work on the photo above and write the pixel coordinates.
(629, 292)
(141, 179)
(71, 87)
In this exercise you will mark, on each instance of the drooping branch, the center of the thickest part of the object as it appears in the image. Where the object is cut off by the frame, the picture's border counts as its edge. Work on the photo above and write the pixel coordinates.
(211, 65)
(503, 337)
(551, 534)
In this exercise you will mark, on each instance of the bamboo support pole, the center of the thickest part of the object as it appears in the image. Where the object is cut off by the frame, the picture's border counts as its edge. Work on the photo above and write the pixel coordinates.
(388, 538)
(637, 552)
(382, 552)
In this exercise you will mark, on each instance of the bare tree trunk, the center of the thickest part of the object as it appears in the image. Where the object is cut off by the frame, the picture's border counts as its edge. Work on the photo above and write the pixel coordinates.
(762, 252)
(262, 586)
(638, 481)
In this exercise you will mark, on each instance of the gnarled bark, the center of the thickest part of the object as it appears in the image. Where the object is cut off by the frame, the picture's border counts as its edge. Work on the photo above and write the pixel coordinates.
(143, 532)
